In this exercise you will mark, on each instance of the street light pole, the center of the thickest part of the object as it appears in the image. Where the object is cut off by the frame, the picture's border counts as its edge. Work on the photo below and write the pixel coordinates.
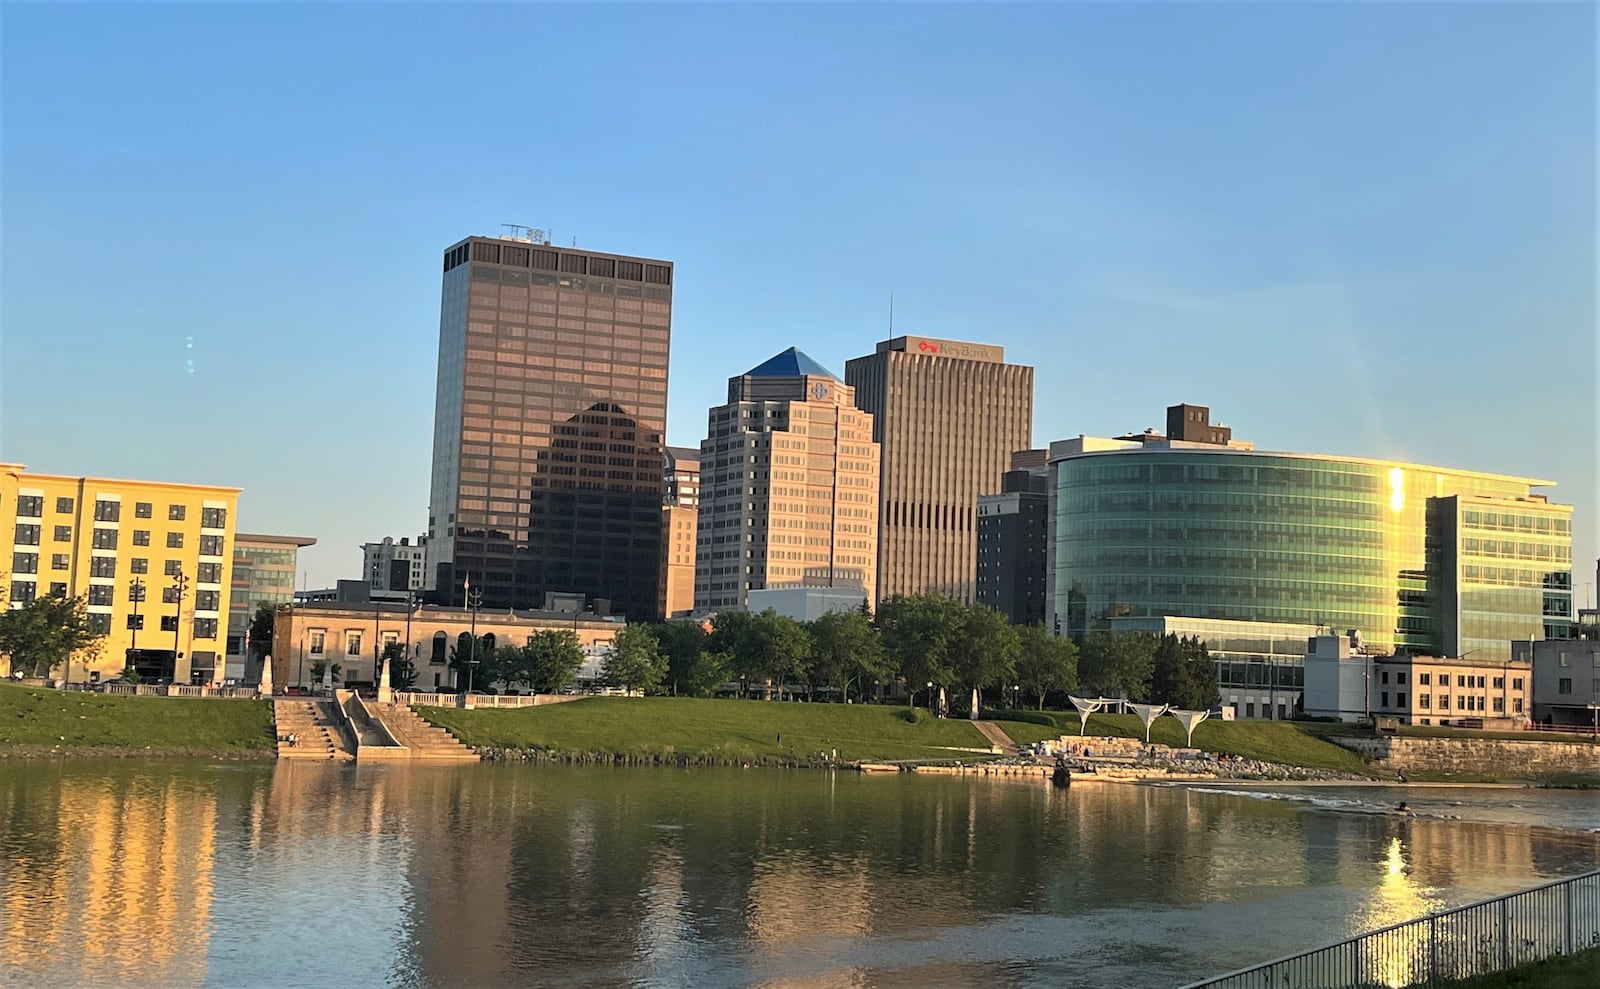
(180, 585)
(300, 669)
(136, 592)
(474, 601)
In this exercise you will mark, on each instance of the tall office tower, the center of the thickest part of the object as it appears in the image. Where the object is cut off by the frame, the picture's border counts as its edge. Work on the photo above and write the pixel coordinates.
(680, 514)
(548, 427)
(789, 486)
(948, 416)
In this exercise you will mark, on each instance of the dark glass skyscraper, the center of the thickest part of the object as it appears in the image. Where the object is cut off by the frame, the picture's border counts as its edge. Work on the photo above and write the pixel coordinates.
(548, 426)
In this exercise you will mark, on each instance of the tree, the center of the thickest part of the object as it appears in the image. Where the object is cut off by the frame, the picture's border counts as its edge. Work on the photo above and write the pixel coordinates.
(320, 669)
(549, 662)
(846, 649)
(683, 643)
(1183, 674)
(710, 671)
(261, 628)
(402, 671)
(764, 646)
(473, 662)
(1117, 663)
(1045, 662)
(917, 634)
(47, 632)
(983, 650)
(635, 661)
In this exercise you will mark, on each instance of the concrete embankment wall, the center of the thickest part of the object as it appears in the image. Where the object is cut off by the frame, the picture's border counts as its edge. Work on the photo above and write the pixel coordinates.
(1504, 757)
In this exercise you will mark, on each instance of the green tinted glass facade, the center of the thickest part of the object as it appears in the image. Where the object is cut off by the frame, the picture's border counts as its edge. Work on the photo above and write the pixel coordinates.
(1265, 537)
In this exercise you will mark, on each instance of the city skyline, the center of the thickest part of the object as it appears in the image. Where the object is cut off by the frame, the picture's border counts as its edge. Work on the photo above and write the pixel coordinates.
(1142, 220)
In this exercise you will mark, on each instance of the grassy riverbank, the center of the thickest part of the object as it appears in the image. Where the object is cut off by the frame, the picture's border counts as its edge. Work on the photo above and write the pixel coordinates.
(1576, 971)
(1269, 741)
(37, 721)
(726, 729)
(718, 729)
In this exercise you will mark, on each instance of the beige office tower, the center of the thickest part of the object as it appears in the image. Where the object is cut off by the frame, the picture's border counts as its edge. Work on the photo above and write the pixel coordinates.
(788, 486)
(680, 517)
(948, 416)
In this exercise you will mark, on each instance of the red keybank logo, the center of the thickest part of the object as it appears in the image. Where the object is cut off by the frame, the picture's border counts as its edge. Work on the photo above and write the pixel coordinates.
(931, 348)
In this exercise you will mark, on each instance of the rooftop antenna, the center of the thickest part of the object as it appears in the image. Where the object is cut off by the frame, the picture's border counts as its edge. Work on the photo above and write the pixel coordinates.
(891, 312)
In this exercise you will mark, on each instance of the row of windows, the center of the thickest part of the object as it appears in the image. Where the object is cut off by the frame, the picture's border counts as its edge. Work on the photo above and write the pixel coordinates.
(106, 510)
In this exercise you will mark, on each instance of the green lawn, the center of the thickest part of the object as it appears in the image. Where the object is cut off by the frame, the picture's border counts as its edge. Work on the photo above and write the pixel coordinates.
(1576, 971)
(1270, 741)
(727, 729)
(36, 719)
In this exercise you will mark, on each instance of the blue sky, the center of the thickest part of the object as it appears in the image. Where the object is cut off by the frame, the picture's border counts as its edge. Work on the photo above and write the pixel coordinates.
(1364, 229)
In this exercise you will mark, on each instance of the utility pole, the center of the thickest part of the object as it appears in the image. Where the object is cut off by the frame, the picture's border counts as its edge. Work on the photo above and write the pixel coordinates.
(180, 586)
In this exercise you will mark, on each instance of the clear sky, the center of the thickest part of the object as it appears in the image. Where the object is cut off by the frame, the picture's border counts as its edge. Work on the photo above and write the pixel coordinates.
(1364, 229)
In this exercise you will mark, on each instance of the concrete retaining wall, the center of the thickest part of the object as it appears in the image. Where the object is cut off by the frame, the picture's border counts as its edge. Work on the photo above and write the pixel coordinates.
(1508, 758)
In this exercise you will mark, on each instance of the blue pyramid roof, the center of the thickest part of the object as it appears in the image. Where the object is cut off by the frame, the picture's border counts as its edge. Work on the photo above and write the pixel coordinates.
(789, 364)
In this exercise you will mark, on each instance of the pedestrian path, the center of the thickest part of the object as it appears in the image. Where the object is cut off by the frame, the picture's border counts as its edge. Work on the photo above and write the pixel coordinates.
(997, 736)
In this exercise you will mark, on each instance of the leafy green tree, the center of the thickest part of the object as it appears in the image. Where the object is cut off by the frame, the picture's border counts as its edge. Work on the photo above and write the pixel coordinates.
(764, 646)
(549, 662)
(846, 650)
(261, 628)
(635, 661)
(319, 669)
(710, 671)
(918, 634)
(474, 662)
(1183, 674)
(1046, 663)
(1117, 663)
(683, 643)
(402, 671)
(983, 650)
(47, 632)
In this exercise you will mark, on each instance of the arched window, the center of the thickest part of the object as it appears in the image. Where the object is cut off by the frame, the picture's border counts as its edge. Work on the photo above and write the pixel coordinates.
(486, 644)
(440, 645)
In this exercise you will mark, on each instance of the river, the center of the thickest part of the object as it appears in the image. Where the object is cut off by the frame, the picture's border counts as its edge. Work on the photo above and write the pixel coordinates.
(172, 874)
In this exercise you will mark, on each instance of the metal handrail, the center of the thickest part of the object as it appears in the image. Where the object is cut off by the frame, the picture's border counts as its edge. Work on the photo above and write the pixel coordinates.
(1500, 940)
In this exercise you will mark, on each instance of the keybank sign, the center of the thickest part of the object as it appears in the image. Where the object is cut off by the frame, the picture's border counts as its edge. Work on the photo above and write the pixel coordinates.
(953, 348)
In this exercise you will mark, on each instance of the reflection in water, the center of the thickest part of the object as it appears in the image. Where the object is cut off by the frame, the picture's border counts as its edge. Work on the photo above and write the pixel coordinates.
(295, 874)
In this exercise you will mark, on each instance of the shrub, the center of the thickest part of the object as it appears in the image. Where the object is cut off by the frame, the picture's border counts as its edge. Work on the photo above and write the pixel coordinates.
(912, 715)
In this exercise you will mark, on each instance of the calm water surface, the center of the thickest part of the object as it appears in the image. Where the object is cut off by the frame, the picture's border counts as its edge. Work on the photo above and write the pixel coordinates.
(175, 874)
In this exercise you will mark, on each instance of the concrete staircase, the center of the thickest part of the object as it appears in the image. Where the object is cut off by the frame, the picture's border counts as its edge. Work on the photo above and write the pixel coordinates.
(426, 742)
(316, 726)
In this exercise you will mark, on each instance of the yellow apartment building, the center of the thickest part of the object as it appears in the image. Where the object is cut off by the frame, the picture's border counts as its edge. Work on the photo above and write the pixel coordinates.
(152, 559)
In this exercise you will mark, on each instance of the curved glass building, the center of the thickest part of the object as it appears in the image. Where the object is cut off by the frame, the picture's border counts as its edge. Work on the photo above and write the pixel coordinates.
(1421, 559)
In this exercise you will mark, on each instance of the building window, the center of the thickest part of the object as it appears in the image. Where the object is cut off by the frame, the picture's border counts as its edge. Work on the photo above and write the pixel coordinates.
(1499, 683)
(213, 518)
(104, 539)
(1444, 679)
(169, 595)
(103, 566)
(1424, 701)
(27, 535)
(352, 643)
(143, 510)
(1399, 700)
(209, 573)
(1499, 705)
(169, 623)
(1384, 702)
(318, 637)
(58, 589)
(1564, 685)
(176, 513)
(101, 593)
(136, 623)
(23, 591)
(63, 533)
(1385, 679)
(25, 563)
(100, 624)
(139, 564)
(205, 628)
(173, 568)
(64, 506)
(30, 506)
(1424, 678)
(210, 545)
(1444, 702)
(1516, 683)
(1400, 678)
(60, 561)
(136, 591)
(141, 537)
(108, 511)
(174, 540)
(1516, 705)
(207, 600)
